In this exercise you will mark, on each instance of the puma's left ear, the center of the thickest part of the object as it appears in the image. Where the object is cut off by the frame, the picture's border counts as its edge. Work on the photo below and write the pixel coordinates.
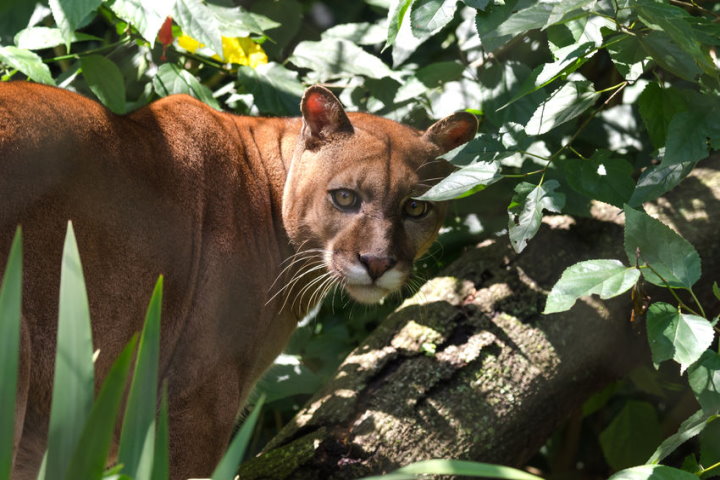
(452, 131)
(323, 114)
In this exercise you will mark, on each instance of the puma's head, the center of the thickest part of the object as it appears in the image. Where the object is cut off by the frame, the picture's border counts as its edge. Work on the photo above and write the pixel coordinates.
(348, 204)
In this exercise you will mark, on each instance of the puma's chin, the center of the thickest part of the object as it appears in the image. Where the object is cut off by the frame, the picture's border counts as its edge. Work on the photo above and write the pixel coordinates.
(366, 293)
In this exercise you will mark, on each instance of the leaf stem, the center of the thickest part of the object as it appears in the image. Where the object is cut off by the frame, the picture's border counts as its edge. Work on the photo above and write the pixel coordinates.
(672, 290)
(697, 302)
(523, 175)
(88, 52)
(705, 470)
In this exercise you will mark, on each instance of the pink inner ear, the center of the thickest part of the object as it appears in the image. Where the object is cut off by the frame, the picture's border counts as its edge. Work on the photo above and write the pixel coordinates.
(315, 105)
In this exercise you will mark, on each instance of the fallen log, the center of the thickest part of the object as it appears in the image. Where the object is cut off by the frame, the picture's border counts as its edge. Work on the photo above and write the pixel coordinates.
(469, 368)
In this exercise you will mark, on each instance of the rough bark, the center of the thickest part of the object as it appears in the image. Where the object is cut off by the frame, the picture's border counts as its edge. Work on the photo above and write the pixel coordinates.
(469, 368)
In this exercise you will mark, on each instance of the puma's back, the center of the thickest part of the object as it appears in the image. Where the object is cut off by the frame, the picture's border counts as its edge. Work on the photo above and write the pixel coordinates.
(251, 220)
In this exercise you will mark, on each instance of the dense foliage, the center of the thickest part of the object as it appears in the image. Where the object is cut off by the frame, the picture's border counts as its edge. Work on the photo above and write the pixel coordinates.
(581, 101)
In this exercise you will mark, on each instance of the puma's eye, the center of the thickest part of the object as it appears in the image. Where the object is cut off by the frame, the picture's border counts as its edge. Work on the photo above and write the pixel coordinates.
(416, 208)
(344, 199)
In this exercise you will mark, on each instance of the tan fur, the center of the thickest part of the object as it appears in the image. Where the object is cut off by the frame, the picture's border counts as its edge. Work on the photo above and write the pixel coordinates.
(216, 203)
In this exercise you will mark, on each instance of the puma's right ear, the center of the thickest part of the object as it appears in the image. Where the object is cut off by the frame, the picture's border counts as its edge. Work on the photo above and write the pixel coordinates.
(452, 131)
(323, 115)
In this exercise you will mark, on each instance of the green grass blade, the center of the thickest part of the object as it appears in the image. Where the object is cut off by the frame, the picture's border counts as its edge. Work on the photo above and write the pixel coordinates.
(227, 468)
(10, 310)
(88, 460)
(73, 383)
(161, 462)
(138, 429)
(470, 469)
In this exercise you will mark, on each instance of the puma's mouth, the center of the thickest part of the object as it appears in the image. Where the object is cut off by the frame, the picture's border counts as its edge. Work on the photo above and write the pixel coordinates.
(366, 293)
(360, 286)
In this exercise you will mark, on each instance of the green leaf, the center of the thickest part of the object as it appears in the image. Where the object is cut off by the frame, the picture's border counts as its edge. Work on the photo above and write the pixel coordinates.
(37, 38)
(161, 455)
(600, 177)
(73, 382)
(105, 80)
(704, 379)
(396, 17)
(488, 21)
(675, 22)
(462, 467)
(691, 427)
(631, 436)
(435, 75)
(716, 290)
(138, 428)
(657, 180)
(147, 17)
(89, 458)
(686, 139)
(237, 22)
(336, 58)
(28, 63)
(676, 335)
(427, 17)
(563, 105)
(540, 15)
(669, 56)
(607, 278)
(653, 472)
(228, 465)
(276, 90)
(669, 254)
(70, 14)
(466, 181)
(362, 33)
(657, 107)
(526, 210)
(710, 444)
(10, 318)
(629, 57)
(199, 22)
(171, 79)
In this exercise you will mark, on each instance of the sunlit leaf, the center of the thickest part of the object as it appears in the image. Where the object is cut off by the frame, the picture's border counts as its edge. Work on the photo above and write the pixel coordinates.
(69, 15)
(563, 105)
(396, 16)
(466, 181)
(428, 17)
(198, 21)
(28, 63)
(37, 38)
(653, 472)
(334, 58)
(526, 210)
(606, 278)
(146, 16)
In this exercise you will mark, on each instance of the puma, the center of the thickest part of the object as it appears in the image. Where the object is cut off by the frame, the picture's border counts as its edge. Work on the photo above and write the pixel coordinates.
(251, 220)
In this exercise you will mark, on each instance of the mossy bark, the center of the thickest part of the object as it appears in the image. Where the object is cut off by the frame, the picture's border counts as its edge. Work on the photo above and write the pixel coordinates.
(469, 368)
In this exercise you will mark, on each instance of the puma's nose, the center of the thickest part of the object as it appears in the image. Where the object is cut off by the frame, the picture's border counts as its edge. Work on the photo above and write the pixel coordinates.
(376, 266)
